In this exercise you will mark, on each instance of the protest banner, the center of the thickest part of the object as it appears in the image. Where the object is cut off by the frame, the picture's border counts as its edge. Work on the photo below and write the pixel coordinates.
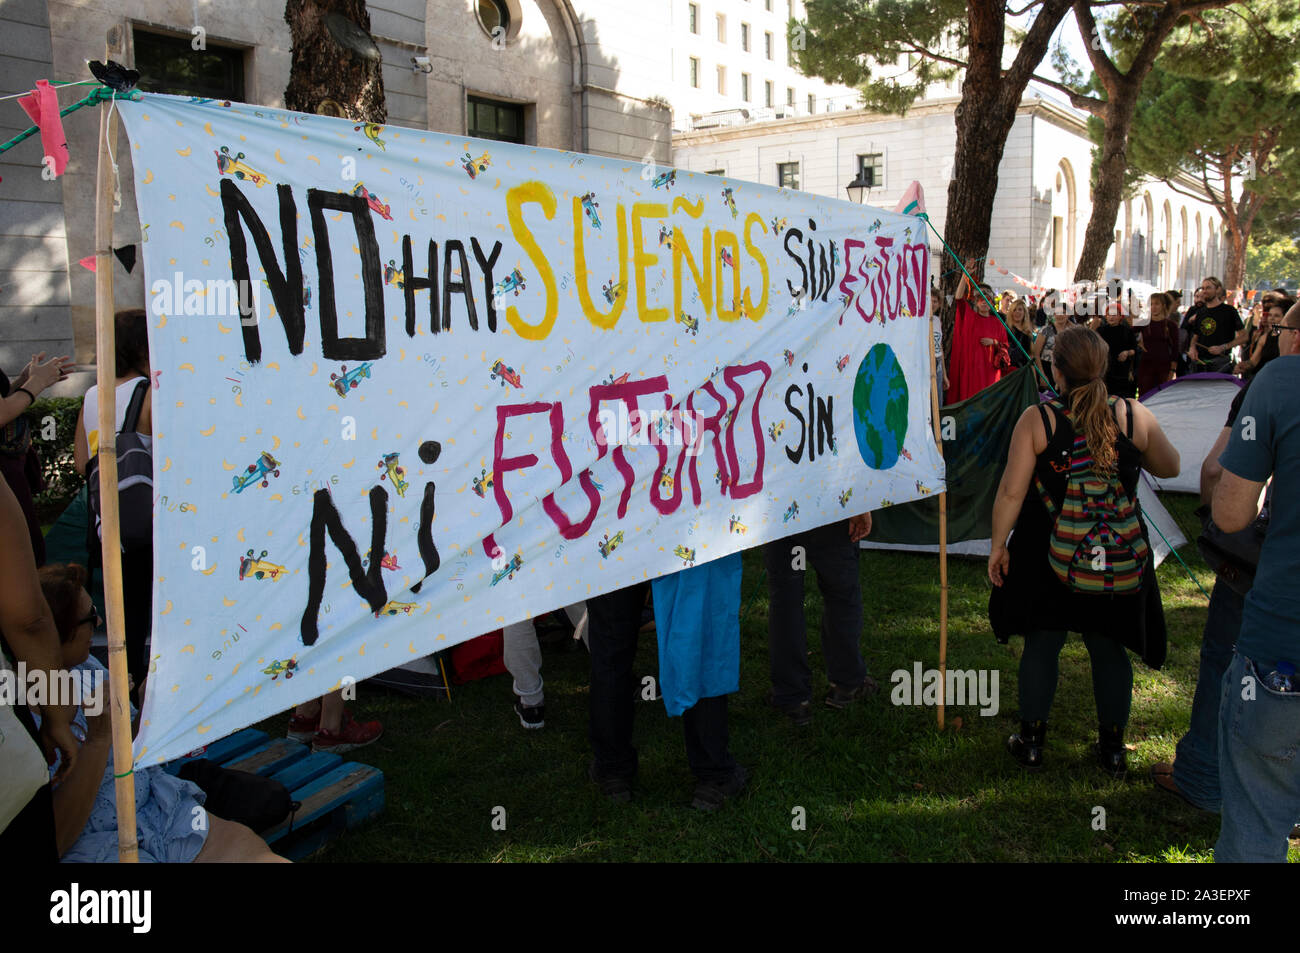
(412, 387)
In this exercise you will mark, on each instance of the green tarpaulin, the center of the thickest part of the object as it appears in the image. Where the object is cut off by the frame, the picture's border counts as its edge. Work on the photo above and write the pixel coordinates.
(977, 434)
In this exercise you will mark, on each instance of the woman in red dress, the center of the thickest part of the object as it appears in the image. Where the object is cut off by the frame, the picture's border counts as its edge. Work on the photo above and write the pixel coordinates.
(979, 344)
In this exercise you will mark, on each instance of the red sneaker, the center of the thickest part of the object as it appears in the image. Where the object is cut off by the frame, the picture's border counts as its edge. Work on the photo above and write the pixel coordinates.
(303, 729)
(352, 734)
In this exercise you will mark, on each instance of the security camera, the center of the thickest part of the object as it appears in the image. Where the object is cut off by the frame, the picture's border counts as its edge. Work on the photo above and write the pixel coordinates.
(421, 64)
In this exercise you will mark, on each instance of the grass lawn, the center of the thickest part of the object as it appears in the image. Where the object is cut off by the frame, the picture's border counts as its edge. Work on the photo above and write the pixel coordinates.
(876, 782)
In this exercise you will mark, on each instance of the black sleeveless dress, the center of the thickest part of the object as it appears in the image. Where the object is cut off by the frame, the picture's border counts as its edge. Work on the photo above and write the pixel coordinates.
(1033, 598)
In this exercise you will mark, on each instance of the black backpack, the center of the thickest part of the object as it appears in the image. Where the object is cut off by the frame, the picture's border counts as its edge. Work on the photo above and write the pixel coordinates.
(134, 480)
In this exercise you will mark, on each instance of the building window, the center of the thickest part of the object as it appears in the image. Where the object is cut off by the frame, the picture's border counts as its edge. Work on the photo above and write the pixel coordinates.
(695, 72)
(716, 172)
(789, 96)
(722, 28)
(722, 81)
(695, 18)
(768, 94)
(168, 64)
(744, 86)
(767, 45)
(787, 175)
(494, 17)
(489, 119)
(871, 168)
(744, 37)
(812, 104)
(1058, 230)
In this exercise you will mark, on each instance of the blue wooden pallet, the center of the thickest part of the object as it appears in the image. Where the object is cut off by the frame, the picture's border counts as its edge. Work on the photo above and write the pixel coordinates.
(335, 795)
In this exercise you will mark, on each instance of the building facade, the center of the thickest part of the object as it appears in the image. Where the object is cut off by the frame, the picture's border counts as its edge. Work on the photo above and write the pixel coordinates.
(585, 75)
(1042, 204)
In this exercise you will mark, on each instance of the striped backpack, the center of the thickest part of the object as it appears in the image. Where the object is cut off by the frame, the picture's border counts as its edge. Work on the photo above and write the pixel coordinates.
(1096, 544)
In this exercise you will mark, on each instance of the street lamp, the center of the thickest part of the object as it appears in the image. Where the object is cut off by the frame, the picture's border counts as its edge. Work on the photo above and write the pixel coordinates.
(858, 188)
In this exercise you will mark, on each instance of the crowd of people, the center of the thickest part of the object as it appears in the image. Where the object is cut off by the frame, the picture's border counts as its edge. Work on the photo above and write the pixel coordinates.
(1148, 343)
(1070, 554)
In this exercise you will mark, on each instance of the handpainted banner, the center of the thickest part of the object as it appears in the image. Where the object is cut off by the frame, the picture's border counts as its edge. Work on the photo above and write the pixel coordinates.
(413, 387)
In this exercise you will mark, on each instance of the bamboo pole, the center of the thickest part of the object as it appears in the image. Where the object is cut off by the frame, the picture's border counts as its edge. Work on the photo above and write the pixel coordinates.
(105, 380)
(943, 537)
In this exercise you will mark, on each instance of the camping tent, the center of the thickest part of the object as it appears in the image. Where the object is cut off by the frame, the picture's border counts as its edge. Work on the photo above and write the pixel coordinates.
(1191, 411)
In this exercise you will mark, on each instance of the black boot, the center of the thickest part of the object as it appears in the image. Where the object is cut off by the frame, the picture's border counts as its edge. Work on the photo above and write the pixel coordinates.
(1027, 746)
(1111, 754)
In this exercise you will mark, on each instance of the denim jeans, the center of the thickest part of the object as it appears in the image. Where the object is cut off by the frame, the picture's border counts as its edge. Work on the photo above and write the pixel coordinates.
(1196, 765)
(614, 621)
(1259, 770)
(835, 557)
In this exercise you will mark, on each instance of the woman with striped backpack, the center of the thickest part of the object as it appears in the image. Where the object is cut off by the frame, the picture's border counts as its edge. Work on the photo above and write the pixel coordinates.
(1078, 559)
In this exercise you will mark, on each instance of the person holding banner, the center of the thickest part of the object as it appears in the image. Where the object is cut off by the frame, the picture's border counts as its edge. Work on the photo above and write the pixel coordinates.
(1044, 587)
(18, 462)
(833, 551)
(979, 343)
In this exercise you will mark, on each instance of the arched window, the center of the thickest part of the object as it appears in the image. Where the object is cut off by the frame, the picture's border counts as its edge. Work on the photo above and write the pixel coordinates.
(1182, 249)
(1064, 218)
(1198, 271)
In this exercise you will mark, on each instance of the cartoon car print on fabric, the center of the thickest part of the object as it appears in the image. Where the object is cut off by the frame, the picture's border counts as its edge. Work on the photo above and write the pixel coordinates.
(729, 199)
(505, 375)
(776, 429)
(203, 101)
(666, 478)
(377, 205)
(685, 554)
(235, 166)
(791, 513)
(394, 275)
(608, 544)
(779, 225)
(482, 483)
(612, 290)
(874, 226)
(474, 166)
(346, 380)
(589, 205)
(665, 237)
(690, 324)
(845, 497)
(621, 379)
(395, 473)
(372, 131)
(789, 357)
(258, 472)
(664, 180)
(725, 254)
(392, 607)
(508, 570)
(904, 454)
(512, 282)
(842, 363)
(835, 447)
(923, 489)
(736, 526)
(257, 567)
(278, 668)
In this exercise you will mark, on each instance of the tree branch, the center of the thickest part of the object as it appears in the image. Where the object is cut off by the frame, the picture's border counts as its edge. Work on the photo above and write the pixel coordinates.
(1101, 62)
(1078, 100)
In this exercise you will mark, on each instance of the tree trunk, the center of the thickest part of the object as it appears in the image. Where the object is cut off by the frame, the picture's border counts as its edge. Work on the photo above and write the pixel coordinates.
(336, 68)
(984, 118)
(1117, 117)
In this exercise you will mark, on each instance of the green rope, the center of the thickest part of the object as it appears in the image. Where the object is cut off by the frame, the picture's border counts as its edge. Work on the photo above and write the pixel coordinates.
(994, 311)
(98, 95)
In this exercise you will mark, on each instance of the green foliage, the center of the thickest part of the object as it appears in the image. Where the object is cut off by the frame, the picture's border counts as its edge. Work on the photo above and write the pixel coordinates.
(62, 481)
(861, 43)
(1272, 261)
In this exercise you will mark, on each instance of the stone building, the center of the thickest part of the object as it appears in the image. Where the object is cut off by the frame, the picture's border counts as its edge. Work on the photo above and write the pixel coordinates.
(1163, 237)
(566, 74)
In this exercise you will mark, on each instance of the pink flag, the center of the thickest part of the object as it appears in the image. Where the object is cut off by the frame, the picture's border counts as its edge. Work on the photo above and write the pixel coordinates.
(88, 263)
(913, 200)
(42, 105)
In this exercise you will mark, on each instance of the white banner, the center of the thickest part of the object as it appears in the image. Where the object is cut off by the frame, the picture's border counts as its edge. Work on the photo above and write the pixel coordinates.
(413, 387)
